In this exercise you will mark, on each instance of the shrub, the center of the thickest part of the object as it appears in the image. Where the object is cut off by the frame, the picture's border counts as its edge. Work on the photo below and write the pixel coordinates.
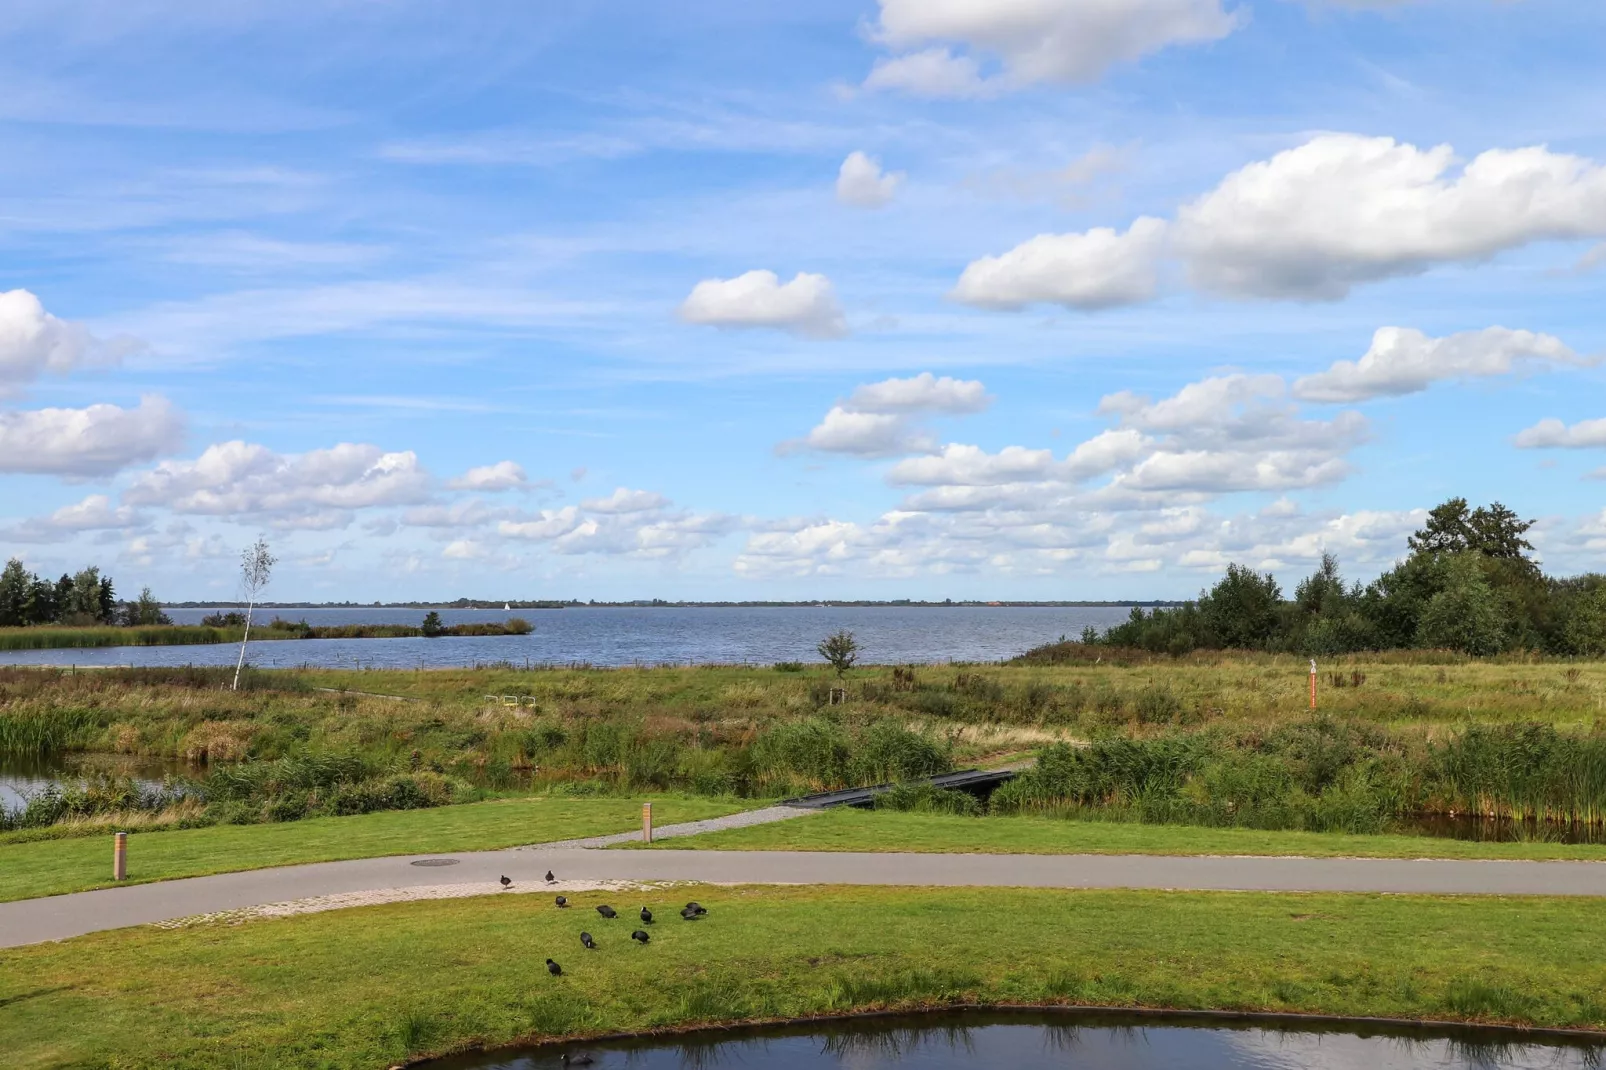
(925, 799)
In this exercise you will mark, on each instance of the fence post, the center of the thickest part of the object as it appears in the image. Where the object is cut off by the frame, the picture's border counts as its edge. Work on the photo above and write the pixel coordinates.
(120, 856)
(1313, 683)
(646, 822)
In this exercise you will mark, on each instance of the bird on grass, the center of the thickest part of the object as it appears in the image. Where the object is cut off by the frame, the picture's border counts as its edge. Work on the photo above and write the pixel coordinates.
(549, 877)
(691, 915)
(695, 908)
(553, 968)
(506, 882)
(607, 911)
(640, 936)
(646, 916)
(588, 943)
(562, 902)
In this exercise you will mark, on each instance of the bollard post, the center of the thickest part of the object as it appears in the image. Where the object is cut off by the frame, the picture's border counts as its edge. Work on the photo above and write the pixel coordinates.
(120, 856)
(646, 822)
(1313, 683)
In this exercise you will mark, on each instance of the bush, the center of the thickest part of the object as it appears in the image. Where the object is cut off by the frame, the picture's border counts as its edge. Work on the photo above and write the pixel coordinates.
(926, 799)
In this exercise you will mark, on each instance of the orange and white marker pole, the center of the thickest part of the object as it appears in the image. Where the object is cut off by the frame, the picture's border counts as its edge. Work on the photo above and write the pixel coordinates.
(1313, 683)
(646, 822)
(120, 856)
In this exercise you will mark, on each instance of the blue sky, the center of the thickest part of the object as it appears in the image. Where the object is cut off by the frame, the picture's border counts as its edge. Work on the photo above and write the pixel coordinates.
(885, 298)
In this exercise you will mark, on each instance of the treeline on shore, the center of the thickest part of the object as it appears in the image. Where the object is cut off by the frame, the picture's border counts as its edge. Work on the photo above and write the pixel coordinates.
(82, 599)
(1468, 584)
(230, 628)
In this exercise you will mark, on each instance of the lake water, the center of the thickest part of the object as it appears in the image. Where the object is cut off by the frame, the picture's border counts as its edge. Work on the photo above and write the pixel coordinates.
(633, 635)
(1039, 1041)
(24, 774)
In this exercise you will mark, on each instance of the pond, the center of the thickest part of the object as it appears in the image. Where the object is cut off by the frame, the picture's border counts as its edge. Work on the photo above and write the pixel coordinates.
(1038, 1040)
(22, 774)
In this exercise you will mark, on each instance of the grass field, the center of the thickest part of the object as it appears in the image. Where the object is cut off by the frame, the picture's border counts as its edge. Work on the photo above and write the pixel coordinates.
(52, 867)
(846, 829)
(370, 987)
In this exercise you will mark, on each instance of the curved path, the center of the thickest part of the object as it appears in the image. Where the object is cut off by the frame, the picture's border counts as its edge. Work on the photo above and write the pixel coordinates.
(58, 917)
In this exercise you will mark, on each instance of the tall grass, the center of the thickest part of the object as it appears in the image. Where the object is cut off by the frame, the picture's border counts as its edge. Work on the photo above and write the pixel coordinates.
(68, 638)
(45, 731)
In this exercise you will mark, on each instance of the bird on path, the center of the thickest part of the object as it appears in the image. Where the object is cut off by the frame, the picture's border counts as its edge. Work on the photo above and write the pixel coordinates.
(553, 968)
(607, 911)
(562, 902)
(588, 943)
(506, 883)
(640, 936)
(549, 877)
(646, 916)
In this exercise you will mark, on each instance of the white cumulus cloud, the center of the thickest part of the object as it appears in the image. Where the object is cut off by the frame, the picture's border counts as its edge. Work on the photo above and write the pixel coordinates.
(625, 500)
(94, 513)
(864, 434)
(95, 441)
(503, 475)
(1550, 434)
(317, 489)
(920, 393)
(862, 182)
(33, 342)
(807, 305)
(882, 419)
(1099, 268)
(1405, 361)
(1314, 221)
(1035, 41)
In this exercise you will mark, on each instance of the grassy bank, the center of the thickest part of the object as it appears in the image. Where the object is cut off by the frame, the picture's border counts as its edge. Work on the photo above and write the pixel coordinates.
(52, 867)
(1226, 741)
(64, 637)
(371, 987)
(881, 830)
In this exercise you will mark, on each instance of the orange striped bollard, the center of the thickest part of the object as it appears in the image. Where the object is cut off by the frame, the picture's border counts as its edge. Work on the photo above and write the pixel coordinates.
(646, 822)
(120, 856)
(1313, 683)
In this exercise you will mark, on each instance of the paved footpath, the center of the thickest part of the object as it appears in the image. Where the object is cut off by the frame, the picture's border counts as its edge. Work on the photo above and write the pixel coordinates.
(59, 917)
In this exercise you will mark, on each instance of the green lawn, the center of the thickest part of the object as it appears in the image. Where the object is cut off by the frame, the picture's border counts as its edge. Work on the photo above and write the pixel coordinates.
(368, 987)
(845, 829)
(50, 867)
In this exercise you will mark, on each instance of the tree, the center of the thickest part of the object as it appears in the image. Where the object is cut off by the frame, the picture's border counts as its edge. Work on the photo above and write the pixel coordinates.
(1241, 610)
(840, 650)
(432, 625)
(256, 569)
(1498, 532)
(144, 612)
(1466, 614)
(15, 584)
(1448, 530)
(1494, 531)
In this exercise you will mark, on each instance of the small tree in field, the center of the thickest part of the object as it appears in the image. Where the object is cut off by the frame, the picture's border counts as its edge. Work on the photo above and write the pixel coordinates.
(841, 651)
(256, 568)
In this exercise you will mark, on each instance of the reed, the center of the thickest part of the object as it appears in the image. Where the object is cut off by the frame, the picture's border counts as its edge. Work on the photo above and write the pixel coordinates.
(67, 638)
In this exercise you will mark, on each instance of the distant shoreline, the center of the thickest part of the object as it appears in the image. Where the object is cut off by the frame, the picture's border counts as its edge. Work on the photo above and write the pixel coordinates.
(660, 604)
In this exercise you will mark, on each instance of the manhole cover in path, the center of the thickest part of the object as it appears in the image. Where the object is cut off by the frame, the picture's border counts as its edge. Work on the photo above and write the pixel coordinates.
(435, 862)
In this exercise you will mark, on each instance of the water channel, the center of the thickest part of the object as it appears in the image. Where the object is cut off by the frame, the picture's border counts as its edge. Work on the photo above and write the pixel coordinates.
(1059, 1040)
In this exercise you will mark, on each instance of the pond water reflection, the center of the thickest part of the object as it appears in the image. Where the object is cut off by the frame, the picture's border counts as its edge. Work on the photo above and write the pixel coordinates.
(1040, 1040)
(25, 774)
